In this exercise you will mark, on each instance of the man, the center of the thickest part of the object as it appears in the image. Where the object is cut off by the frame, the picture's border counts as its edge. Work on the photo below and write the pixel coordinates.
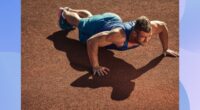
(108, 30)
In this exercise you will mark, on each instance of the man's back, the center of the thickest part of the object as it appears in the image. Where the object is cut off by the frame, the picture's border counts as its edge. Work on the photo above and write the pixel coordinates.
(98, 23)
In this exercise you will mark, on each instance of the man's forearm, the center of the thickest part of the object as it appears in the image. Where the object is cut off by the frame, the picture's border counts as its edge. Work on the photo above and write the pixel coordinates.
(164, 38)
(93, 43)
(92, 49)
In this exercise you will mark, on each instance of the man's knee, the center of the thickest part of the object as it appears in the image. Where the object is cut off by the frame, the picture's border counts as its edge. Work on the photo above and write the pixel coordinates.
(85, 13)
(89, 13)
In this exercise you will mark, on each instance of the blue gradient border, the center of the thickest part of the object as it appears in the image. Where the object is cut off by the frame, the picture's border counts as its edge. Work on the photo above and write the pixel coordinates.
(10, 55)
(189, 54)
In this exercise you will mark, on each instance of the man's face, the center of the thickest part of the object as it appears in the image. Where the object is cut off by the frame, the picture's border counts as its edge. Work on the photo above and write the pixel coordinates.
(143, 37)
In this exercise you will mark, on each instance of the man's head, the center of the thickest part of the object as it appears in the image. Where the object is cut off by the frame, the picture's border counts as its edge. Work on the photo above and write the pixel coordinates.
(143, 29)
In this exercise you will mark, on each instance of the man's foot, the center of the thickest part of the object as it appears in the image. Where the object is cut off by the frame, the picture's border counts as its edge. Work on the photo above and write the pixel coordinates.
(65, 8)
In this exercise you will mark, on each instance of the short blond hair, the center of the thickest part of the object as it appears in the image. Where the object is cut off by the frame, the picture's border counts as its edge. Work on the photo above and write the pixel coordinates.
(142, 24)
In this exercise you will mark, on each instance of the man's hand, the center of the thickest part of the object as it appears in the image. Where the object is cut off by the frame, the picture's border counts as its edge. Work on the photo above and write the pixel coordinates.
(170, 52)
(100, 71)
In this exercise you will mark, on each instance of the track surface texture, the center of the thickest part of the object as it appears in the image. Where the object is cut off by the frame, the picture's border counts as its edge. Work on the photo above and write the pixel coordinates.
(55, 64)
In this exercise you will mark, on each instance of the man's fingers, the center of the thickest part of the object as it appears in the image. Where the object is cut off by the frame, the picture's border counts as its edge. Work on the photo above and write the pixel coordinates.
(171, 53)
(101, 72)
(107, 69)
(175, 54)
(104, 71)
(98, 72)
(94, 72)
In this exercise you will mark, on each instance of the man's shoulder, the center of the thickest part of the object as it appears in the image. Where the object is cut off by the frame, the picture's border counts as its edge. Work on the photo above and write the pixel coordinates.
(157, 23)
(118, 31)
(157, 26)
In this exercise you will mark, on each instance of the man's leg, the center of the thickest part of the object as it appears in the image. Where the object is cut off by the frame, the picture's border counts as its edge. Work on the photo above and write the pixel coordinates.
(81, 13)
(71, 17)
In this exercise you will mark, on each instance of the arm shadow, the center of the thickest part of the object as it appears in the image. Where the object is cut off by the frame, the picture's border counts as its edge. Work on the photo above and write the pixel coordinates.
(120, 77)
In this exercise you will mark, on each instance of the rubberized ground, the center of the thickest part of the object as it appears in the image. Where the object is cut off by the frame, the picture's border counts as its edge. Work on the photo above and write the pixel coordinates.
(55, 65)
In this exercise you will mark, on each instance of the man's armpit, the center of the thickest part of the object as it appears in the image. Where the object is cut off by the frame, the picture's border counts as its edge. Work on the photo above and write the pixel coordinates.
(114, 36)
